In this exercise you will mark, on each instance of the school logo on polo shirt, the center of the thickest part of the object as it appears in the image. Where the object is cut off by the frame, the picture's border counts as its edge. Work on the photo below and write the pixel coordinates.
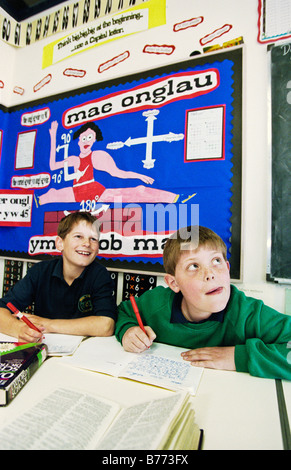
(85, 303)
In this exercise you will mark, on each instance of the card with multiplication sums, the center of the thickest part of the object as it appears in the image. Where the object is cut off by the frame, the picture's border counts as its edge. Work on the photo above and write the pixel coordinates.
(136, 284)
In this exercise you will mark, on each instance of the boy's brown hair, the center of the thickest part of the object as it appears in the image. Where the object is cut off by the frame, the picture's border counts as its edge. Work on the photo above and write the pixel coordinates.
(67, 222)
(192, 237)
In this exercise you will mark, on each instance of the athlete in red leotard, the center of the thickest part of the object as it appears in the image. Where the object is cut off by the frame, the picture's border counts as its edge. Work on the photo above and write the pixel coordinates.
(85, 187)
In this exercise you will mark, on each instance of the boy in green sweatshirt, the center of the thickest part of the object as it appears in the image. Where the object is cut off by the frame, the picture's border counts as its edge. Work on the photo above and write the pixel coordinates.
(202, 312)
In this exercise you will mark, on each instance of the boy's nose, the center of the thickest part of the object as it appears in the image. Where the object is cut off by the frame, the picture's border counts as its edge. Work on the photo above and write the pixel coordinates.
(208, 275)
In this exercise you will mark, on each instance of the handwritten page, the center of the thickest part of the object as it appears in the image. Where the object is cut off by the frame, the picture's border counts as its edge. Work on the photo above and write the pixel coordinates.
(157, 368)
(61, 345)
(101, 354)
(161, 365)
(58, 344)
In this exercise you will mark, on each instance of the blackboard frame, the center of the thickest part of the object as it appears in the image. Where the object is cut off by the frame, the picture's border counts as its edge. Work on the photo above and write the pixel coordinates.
(279, 229)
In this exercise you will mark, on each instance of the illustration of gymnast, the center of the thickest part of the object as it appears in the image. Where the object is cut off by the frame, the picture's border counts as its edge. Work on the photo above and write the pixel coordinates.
(84, 185)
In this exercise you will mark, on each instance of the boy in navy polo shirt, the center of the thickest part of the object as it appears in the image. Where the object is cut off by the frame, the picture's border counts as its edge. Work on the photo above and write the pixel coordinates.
(72, 294)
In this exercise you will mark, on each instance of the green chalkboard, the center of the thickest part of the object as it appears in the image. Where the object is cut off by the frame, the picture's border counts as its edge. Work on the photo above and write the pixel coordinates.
(280, 257)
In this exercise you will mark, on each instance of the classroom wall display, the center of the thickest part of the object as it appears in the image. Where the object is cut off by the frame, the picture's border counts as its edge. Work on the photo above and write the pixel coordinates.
(114, 279)
(141, 17)
(279, 268)
(13, 272)
(136, 284)
(147, 154)
(274, 21)
(79, 14)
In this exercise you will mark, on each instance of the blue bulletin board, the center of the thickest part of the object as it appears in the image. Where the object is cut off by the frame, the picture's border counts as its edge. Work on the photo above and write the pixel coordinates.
(147, 154)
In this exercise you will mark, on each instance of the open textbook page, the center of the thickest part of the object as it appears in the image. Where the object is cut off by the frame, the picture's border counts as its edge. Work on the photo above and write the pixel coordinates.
(69, 419)
(161, 365)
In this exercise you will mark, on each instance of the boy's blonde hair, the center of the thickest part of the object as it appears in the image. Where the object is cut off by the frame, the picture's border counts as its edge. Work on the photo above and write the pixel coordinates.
(67, 223)
(192, 237)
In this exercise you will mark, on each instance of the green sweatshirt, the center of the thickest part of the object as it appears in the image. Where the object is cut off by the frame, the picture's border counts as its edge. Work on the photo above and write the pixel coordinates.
(259, 333)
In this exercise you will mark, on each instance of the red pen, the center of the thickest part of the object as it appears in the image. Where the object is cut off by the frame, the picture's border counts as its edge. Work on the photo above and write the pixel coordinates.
(22, 317)
(135, 309)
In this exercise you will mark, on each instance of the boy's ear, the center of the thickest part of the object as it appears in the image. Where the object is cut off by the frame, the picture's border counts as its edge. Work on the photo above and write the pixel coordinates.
(171, 282)
(59, 243)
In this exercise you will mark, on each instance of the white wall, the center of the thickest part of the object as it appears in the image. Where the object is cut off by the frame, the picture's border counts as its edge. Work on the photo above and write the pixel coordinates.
(7, 67)
(24, 69)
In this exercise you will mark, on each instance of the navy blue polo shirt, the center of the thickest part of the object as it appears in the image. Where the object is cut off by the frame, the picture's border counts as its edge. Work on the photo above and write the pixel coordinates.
(90, 294)
(178, 317)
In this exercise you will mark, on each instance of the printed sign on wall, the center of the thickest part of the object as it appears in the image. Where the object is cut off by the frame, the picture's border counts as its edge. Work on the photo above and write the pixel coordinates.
(81, 13)
(147, 154)
(140, 18)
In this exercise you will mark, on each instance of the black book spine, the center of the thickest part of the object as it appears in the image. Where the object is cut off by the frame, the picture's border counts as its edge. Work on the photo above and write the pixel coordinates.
(24, 373)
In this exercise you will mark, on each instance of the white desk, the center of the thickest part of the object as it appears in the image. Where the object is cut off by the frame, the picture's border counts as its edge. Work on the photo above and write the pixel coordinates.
(235, 410)
(238, 411)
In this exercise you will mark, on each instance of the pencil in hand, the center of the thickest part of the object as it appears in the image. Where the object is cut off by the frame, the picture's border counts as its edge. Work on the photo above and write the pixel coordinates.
(22, 317)
(136, 311)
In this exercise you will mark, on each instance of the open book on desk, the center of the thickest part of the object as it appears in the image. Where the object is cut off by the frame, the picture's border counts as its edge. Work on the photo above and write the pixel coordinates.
(58, 344)
(161, 365)
(164, 423)
(61, 345)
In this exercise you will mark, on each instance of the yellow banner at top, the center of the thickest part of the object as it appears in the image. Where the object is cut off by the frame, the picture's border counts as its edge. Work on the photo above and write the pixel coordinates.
(140, 18)
(71, 15)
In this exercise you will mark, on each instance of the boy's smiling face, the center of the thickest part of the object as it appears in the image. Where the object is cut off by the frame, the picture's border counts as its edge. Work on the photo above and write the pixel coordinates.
(80, 246)
(202, 276)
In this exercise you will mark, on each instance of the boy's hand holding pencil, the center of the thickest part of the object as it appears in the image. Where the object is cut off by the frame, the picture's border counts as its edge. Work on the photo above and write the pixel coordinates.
(138, 338)
(135, 340)
(28, 332)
